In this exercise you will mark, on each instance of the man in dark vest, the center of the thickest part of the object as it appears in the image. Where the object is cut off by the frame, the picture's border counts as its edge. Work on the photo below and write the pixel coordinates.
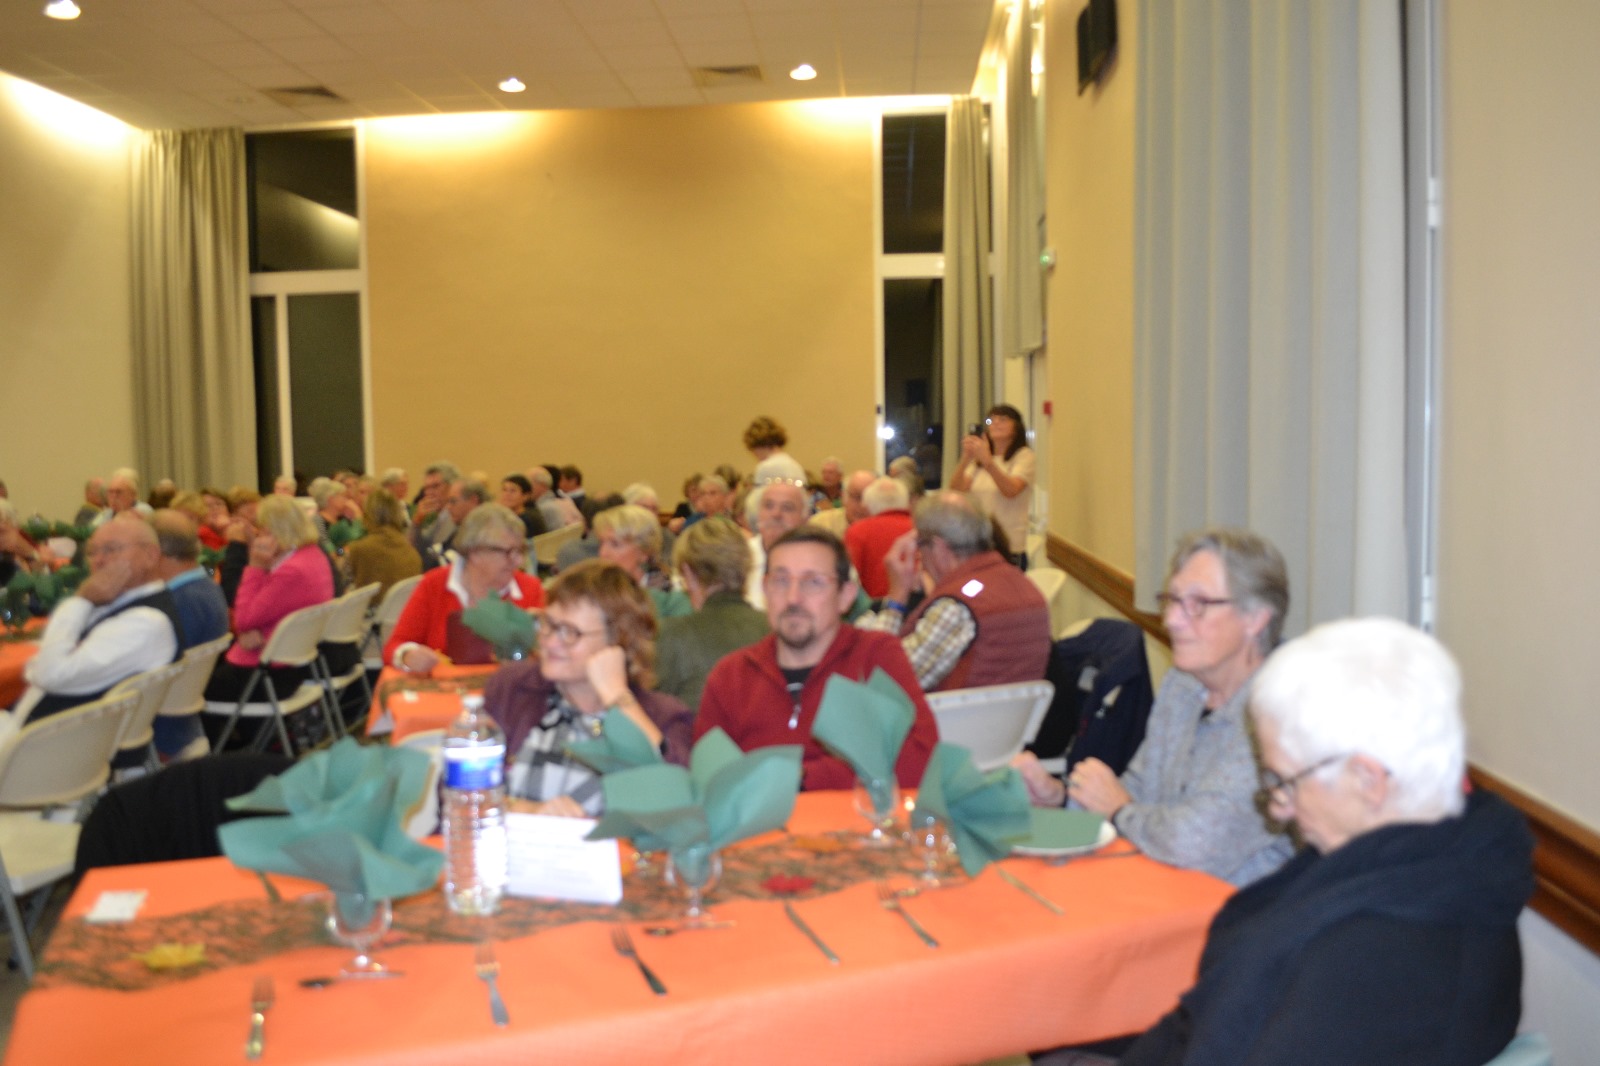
(202, 615)
(121, 622)
(983, 622)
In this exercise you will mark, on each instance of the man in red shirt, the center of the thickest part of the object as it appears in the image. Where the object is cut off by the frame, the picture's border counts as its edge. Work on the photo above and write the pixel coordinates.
(869, 540)
(768, 693)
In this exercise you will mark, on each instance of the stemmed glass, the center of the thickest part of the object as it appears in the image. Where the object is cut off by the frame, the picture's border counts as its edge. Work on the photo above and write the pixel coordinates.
(358, 922)
(697, 870)
(931, 842)
(878, 806)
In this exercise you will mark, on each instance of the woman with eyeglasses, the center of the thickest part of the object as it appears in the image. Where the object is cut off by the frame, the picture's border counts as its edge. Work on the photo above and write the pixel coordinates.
(596, 652)
(1391, 938)
(1188, 797)
(488, 557)
(997, 468)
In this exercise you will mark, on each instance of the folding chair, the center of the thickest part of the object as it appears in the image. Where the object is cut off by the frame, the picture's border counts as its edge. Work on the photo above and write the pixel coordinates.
(346, 627)
(992, 722)
(388, 613)
(55, 761)
(544, 548)
(293, 643)
(136, 744)
(187, 694)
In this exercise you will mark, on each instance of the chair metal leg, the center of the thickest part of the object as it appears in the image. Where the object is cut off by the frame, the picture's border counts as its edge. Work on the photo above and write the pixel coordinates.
(277, 716)
(238, 708)
(330, 697)
(21, 949)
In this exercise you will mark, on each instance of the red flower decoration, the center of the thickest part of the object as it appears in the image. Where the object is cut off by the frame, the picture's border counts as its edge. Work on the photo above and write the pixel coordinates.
(787, 884)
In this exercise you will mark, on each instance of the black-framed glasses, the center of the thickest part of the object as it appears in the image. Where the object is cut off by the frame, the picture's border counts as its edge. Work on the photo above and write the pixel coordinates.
(1276, 785)
(567, 633)
(1194, 606)
(512, 554)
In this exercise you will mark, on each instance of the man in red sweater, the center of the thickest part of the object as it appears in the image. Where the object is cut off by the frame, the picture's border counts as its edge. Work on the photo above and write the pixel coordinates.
(768, 693)
(869, 540)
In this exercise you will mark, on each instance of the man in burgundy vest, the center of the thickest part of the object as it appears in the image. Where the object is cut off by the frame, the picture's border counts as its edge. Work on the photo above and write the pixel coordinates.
(983, 623)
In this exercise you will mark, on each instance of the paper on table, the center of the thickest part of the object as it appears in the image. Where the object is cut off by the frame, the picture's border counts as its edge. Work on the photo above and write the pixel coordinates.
(116, 906)
(549, 858)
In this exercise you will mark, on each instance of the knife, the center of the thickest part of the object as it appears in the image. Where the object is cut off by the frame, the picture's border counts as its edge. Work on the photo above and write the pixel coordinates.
(1011, 879)
(800, 924)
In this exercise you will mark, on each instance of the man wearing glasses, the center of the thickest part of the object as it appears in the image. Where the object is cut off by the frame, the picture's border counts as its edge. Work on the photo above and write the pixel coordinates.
(1189, 797)
(768, 693)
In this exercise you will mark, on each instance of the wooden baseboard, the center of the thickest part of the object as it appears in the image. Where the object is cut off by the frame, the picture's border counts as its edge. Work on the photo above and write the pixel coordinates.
(1566, 856)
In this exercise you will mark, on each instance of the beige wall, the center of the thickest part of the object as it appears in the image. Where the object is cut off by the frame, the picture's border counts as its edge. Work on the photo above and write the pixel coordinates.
(1089, 155)
(65, 370)
(1520, 509)
(623, 289)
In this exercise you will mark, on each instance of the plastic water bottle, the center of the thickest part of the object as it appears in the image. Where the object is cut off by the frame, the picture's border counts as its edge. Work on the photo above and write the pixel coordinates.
(474, 811)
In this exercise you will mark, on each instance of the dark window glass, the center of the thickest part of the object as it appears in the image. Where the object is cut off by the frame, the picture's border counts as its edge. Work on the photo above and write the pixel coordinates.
(913, 184)
(303, 201)
(913, 317)
(325, 383)
(269, 442)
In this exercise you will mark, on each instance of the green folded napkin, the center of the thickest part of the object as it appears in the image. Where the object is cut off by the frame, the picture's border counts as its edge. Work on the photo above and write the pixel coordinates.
(725, 795)
(29, 593)
(344, 825)
(986, 813)
(866, 725)
(503, 624)
(621, 745)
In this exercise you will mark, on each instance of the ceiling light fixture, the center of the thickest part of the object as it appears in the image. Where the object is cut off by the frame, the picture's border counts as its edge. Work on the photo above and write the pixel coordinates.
(512, 85)
(62, 9)
(804, 72)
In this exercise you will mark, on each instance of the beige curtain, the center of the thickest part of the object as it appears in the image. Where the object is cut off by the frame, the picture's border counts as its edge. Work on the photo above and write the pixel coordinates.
(1021, 284)
(193, 372)
(967, 369)
(1269, 291)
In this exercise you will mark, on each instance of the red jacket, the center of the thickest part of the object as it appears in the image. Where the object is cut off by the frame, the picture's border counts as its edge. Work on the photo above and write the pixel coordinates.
(747, 696)
(424, 621)
(868, 542)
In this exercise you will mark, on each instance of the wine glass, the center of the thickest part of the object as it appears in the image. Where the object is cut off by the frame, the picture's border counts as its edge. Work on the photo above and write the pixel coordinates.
(359, 921)
(931, 842)
(878, 804)
(697, 870)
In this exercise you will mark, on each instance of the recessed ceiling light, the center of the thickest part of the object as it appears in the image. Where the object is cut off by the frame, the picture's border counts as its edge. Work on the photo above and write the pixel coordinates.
(512, 85)
(804, 72)
(62, 9)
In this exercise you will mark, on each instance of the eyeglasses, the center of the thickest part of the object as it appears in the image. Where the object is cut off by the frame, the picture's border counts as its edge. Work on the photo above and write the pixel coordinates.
(809, 585)
(1277, 786)
(567, 633)
(513, 554)
(1194, 606)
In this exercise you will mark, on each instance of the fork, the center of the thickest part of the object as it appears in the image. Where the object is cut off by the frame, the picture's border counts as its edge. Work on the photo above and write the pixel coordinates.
(261, 997)
(488, 968)
(891, 901)
(623, 942)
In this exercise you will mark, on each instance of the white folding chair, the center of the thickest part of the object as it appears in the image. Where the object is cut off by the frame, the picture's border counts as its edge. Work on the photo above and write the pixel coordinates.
(293, 643)
(52, 762)
(388, 613)
(138, 733)
(993, 722)
(1050, 582)
(347, 626)
(187, 694)
(546, 546)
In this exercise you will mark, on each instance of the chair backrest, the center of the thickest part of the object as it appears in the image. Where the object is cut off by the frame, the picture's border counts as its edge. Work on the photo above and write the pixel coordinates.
(62, 758)
(187, 693)
(294, 642)
(546, 546)
(347, 621)
(393, 605)
(992, 722)
(151, 688)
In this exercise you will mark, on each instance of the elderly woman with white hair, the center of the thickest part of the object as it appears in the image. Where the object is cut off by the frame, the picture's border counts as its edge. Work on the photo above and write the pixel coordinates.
(1391, 939)
(630, 536)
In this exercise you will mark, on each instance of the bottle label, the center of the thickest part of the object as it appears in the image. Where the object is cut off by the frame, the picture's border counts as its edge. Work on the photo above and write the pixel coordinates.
(474, 769)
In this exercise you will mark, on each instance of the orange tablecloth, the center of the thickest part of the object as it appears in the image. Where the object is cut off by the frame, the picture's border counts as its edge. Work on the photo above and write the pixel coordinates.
(14, 655)
(407, 704)
(1010, 976)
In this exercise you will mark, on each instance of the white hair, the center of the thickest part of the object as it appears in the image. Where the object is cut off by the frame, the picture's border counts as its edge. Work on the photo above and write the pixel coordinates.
(752, 507)
(540, 476)
(885, 494)
(1371, 686)
(639, 492)
(126, 474)
(393, 474)
(324, 489)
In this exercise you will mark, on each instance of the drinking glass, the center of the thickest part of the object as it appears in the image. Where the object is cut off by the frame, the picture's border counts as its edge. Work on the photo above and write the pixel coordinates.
(879, 807)
(358, 922)
(931, 843)
(697, 871)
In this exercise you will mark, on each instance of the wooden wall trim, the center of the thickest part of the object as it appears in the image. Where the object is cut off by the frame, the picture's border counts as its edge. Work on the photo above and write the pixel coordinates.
(1566, 855)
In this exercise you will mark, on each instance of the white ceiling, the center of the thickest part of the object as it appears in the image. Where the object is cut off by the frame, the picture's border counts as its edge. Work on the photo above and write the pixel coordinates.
(160, 64)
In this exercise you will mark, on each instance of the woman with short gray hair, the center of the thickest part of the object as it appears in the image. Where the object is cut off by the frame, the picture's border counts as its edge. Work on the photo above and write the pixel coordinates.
(1391, 939)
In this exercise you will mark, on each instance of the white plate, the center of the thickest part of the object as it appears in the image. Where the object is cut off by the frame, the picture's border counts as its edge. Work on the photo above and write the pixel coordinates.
(1049, 823)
